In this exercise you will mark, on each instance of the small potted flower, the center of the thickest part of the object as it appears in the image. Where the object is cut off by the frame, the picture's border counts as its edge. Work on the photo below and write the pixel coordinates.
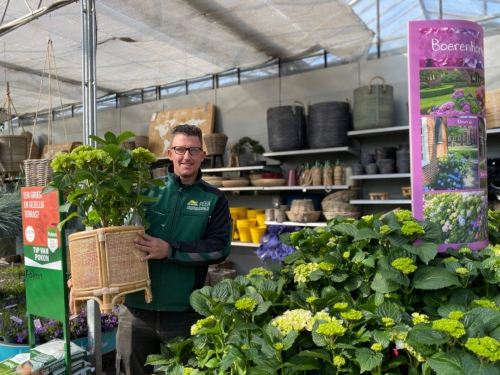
(14, 325)
(103, 186)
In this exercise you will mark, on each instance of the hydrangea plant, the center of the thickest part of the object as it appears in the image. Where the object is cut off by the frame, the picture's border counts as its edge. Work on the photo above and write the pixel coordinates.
(368, 296)
(104, 183)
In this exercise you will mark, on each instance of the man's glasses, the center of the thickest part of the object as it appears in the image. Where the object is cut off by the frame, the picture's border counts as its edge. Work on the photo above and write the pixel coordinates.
(182, 150)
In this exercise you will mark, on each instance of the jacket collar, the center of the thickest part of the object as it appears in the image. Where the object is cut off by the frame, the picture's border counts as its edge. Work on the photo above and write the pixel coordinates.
(177, 179)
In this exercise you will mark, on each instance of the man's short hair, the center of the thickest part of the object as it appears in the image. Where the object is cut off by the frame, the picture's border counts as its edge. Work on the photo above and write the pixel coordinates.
(188, 131)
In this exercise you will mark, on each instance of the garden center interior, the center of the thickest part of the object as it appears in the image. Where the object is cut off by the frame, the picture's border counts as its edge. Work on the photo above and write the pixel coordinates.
(255, 68)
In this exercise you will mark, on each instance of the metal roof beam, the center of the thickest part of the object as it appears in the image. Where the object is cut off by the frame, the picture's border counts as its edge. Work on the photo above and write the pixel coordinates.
(33, 15)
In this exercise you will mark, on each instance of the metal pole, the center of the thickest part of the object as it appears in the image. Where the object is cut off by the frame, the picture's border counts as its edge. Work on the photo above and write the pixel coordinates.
(89, 47)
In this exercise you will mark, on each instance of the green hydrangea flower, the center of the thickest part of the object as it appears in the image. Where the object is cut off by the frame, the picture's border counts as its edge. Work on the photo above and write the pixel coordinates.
(321, 315)
(352, 315)
(456, 315)
(403, 215)
(311, 299)
(302, 272)
(464, 250)
(341, 305)
(411, 228)
(385, 229)
(452, 327)
(486, 347)
(141, 155)
(450, 259)
(405, 265)
(338, 361)
(278, 346)
(346, 254)
(260, 271)
(297, 320)
(208, 322)
(188, 370)
(419, 318)
(367, 217)
(462, 271)
(388, 322)
(323, 266)
(246, 304)
(377, 347)
(330, 329)
(486, 303)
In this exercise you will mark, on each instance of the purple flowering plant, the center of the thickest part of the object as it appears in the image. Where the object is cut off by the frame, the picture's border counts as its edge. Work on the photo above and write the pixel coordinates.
(453, 169)
(462, 103)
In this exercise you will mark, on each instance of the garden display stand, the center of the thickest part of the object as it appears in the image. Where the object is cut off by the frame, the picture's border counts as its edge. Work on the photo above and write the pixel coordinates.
(406, 191)
(379, 196)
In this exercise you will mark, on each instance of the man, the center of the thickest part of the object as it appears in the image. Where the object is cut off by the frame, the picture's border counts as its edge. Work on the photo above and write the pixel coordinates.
(190, 229)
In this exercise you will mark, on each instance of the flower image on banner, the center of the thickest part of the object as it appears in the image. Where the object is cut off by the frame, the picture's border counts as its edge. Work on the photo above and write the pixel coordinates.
(447, 129)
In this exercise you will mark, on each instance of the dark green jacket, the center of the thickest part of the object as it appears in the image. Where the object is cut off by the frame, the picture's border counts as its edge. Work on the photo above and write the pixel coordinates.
(195, 220)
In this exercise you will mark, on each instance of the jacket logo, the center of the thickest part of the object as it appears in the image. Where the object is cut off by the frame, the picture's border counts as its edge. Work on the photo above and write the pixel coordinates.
(198, 206)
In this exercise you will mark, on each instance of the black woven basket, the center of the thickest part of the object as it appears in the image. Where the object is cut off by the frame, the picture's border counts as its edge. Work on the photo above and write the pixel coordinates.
(328, 125)
(286, 128)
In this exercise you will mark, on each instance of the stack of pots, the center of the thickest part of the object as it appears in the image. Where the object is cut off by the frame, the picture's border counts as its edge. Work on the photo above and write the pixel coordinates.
(403, 159)
(386, 159)
(369, 163)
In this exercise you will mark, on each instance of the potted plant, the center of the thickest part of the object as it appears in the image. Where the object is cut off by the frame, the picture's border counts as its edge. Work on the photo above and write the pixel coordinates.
(248, 144)
(14, 324)
(10, 218)
(102, 185)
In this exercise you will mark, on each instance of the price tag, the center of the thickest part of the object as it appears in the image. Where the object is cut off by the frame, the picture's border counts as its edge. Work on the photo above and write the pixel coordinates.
(37, 323)
(16, 319)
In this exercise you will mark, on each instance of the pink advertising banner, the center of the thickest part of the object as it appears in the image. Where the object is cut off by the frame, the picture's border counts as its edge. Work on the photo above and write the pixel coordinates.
(448, 129)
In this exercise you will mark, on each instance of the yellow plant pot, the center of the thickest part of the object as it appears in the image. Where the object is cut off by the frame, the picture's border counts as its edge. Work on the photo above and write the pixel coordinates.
(245, 223)
(252, 214)
(257, 233)
(261, 219)
(234, 217)
(245, 235)
(241, 211)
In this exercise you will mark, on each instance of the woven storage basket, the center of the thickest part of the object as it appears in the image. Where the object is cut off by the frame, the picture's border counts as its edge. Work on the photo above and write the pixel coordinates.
(129, 145)
(328, 125)
(340, 196)
(217, 275)
(332, 206)
(302, 205)
(492, 108)
(32, 150)
(286, 127)
(38, 172)
(216, 143)
(303, 217)
(142, 141)
(13, 149)
(345, 215)
(373, 106)
(158, 172)
(225, 265)
(105, 266)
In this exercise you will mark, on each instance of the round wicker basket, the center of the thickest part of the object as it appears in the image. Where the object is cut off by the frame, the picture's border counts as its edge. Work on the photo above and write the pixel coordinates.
(105, 266)
(303, 217)
(344, 196)
(38, 172)
(334, 206)
(142, 141)
(345, 215)
(216, 143)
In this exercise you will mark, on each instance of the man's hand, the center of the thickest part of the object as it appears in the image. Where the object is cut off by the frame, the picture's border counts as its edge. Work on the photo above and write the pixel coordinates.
(154, 247)
(71, 299)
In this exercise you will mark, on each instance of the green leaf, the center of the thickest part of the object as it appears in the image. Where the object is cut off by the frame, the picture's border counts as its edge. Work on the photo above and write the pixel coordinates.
(366, 233)
(229, 358)
(445, 310)
(433, 232)
(262, 308)
(431, 278)
(447, 363)
(317, 353)
(367, 359)
(348, 229)
(200, 302)
(396, 276)
(426, 251)
(472, 365)
(316, 275)
(389, 310)
(304, 363)
(423, 335)
(122, 137)
(353, 282)
(381, 285)
(481, 320)
(383, 338)
(290, 339)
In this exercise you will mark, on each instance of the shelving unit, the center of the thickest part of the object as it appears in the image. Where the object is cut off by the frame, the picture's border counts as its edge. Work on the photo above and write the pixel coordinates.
(370, 132)
(282, 188)
(493, 131)
(274, 168)
(347, 149)
(378, 176)
(293, 223)
(379, 202)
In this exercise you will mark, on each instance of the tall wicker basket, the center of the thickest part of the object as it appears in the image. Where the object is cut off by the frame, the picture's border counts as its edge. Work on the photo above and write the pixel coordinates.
(216, 143)
(105, 266)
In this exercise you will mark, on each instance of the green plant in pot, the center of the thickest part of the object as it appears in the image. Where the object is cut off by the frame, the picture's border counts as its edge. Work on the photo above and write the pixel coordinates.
(10, 218)
(105, 184)
(248, 144)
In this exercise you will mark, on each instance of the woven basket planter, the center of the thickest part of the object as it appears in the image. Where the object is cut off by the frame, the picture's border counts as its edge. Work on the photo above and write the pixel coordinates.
(105, 266)
(216, 143)
(340, 196)
(13, 150)
(129, 145)
(38, 172)
(332, 206)
(217, 275)
(158, 172)
(142, 141)
(373, 106)
(303, 217)
(328, 125)
(286, 127)
(345, 215)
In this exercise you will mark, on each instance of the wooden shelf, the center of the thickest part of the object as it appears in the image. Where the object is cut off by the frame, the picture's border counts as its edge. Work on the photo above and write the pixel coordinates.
(347, 149)
(378, 131)
(282, 188)
(379, 176)
(388, 201)
(244, 244)
(295, 224)
(493, 131)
